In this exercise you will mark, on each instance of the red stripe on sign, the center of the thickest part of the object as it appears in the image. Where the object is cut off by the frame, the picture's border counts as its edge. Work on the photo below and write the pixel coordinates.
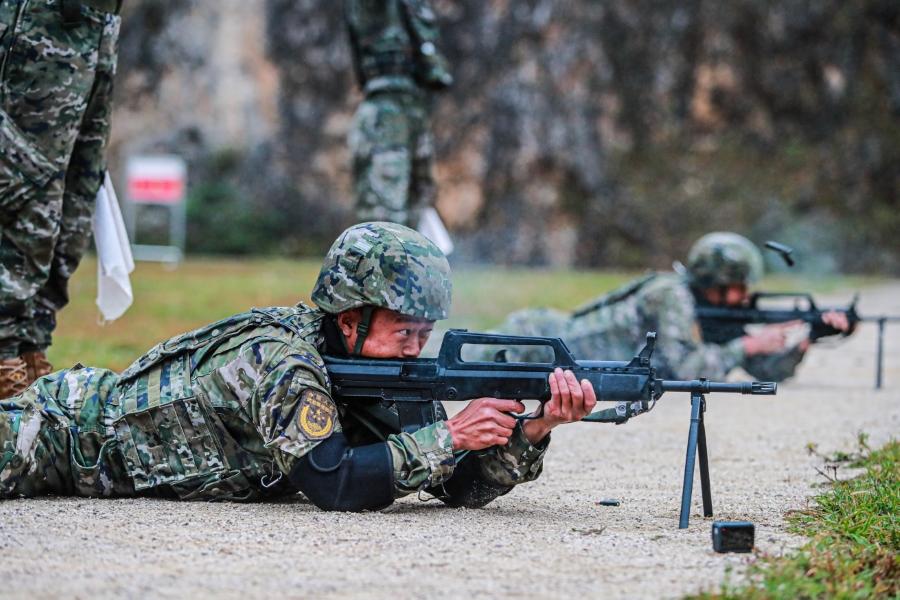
(157, 191)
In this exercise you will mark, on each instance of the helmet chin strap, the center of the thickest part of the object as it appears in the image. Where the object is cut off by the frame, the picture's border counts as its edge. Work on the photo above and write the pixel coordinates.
(362, 328)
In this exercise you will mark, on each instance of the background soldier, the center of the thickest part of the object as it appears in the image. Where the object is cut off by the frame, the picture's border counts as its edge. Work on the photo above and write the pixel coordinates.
(57, 62)
(242, 409)
(720, 267)
(397, 64)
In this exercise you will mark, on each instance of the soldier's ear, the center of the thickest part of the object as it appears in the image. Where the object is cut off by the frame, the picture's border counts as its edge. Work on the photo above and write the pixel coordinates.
(348, 320)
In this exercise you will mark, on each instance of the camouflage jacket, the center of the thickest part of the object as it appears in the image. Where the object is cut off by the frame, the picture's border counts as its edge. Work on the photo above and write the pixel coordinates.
(226, 410)
(394, 45)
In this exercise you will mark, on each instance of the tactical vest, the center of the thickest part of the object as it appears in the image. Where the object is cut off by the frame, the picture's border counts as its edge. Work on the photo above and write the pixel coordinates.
(393, 44)
(171, 434)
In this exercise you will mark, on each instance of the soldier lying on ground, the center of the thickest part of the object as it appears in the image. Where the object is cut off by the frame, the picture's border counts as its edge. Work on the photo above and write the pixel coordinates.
(720, 267)
(241, 409)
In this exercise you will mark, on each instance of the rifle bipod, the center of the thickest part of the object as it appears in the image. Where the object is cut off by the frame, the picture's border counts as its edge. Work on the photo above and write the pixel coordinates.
(696, 441)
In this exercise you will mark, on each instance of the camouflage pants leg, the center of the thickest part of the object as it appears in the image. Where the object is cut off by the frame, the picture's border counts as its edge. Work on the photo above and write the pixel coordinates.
(53, 438)
(30, 206)
(84, 176)
(55, 88)
(393, 152)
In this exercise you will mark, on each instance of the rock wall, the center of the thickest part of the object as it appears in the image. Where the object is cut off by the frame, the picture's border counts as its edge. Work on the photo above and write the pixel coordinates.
(577, 132)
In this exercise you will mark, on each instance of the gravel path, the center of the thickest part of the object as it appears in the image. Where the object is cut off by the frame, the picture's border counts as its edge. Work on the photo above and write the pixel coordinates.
(547, 539)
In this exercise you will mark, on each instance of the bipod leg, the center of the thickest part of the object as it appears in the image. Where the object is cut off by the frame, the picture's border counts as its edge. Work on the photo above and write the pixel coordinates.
(693, 433)
(879, 353)
(704, 462)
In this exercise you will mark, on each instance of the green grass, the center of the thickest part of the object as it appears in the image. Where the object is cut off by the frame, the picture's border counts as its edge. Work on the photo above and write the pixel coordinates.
(854, 540)
(199, 291)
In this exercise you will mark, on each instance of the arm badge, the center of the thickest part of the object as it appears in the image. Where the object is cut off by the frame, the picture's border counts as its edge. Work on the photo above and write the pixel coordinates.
(316, 414)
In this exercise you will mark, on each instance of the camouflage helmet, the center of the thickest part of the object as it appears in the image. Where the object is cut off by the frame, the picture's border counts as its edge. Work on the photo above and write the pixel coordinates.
(385, 265)
(723, 258)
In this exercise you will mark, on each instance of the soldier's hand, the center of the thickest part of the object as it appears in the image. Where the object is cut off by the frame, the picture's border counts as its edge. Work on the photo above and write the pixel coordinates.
(770, 339)
(837, 319)
(483, 423)
(570, 400)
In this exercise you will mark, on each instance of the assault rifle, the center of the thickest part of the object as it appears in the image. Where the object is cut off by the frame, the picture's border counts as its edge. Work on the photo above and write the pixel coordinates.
(721, 324)
(414, 385)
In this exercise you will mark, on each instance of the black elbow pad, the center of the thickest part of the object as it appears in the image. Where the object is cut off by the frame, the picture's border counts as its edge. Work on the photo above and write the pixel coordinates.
(335, 476)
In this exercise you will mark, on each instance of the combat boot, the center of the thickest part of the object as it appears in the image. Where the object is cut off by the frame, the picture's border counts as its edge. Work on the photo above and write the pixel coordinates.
(13, 377)
(37, 364)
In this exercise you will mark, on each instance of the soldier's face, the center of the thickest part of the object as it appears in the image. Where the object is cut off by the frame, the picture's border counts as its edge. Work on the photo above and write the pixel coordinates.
(727, 295)
(391, 335)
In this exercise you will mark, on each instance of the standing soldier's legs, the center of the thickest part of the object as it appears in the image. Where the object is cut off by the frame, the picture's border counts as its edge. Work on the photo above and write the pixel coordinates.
(27, 235)
(423, 192)
(84, 177)
(54, 439)
(380, 142)
(45, 84)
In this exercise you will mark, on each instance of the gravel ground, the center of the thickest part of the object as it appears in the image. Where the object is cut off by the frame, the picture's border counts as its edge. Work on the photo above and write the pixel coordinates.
(546, 539)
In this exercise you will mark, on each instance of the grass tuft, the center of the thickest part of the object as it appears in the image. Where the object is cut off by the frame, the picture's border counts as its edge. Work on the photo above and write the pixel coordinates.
(854, 546)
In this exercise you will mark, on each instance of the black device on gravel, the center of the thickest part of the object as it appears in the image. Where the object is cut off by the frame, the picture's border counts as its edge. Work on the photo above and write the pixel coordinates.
(732, 536)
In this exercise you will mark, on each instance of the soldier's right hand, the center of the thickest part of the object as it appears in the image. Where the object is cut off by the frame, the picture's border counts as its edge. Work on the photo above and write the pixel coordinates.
(770, 339)
(485, 422)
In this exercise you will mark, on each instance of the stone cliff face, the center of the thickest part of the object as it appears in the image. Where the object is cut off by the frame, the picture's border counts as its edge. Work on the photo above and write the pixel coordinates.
(198, 70)
(577, 132)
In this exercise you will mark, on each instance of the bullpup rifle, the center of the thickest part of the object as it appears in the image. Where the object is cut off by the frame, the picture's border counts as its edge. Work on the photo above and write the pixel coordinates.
(414, 385)
(721, 324)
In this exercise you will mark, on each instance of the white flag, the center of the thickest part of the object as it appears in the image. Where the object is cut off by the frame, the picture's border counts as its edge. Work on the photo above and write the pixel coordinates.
(114, 261)
(432, 227)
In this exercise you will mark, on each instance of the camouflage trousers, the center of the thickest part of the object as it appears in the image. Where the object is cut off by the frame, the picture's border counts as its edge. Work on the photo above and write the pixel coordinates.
(53, 438)
(55, 93)
(392, 151)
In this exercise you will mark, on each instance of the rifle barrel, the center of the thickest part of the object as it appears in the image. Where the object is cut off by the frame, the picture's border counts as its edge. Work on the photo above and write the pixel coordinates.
(701, 386)
(884, 318)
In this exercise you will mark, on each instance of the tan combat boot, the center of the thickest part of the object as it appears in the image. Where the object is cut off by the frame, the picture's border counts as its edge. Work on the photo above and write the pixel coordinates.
(13, 377)
(37, 364)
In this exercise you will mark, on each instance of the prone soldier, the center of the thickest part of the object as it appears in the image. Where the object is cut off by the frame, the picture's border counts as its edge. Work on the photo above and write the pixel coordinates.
(242, 409)
(720, 268)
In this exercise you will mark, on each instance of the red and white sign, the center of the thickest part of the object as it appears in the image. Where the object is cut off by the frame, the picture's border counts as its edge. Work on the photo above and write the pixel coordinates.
(156, 179)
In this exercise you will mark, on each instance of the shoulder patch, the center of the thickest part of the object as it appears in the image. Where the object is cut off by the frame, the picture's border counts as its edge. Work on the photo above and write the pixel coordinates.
(316, 414)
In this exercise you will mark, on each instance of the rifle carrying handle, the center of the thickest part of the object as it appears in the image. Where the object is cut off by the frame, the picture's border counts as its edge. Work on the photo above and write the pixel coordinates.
(757, 296)
(451, 348)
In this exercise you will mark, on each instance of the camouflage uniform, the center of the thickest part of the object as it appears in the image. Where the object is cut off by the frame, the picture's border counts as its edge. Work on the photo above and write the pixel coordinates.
(221, 412)
(396, 62)
(614, 326)
(227, 410)
(57, 62)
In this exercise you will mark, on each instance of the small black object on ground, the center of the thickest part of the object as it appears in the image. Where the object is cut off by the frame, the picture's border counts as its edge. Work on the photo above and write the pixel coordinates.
(732, 536)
